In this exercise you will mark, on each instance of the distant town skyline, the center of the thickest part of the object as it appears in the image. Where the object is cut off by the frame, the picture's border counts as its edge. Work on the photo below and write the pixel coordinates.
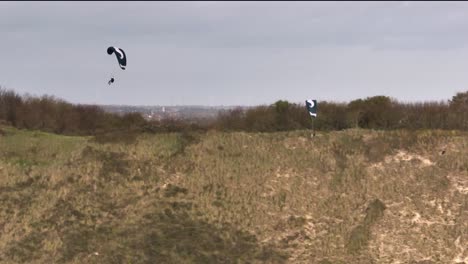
(235, 53)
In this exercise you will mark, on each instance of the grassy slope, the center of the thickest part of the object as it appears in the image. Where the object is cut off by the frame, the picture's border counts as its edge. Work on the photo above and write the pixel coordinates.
(343, 197)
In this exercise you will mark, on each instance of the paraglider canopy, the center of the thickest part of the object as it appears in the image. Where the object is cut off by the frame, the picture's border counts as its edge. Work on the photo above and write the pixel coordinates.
(311, 106)
(120, 54)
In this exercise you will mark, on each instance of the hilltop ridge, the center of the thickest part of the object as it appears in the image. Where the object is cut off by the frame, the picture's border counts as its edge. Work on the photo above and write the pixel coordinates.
(353, 196)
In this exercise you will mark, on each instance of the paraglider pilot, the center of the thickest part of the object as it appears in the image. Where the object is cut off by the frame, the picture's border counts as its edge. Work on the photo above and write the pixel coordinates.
(121, 59)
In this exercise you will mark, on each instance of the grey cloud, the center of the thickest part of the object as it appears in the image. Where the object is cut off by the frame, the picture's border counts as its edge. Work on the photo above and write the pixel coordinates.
(234, 52)
(244, 24)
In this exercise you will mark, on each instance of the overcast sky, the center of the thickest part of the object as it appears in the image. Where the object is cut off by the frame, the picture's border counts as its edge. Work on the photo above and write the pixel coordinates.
(234, 53)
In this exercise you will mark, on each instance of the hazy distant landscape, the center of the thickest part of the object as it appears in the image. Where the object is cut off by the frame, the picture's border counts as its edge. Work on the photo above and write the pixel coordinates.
(164, 112)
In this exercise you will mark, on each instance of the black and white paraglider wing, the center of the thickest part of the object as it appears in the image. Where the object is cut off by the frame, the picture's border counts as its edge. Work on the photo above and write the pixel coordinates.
(120, 54)
(311, 106)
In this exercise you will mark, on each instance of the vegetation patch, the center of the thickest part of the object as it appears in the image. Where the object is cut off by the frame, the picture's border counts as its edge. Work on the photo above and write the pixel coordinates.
(360, 235)
(185, 139)
(114, 162)
(123, 136)
(173, 190)
(26, 249)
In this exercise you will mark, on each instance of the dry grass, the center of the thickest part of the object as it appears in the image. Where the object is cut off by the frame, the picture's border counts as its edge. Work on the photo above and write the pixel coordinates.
(356, 196)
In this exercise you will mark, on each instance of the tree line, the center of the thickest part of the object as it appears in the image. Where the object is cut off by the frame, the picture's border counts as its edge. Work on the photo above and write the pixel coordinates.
(378, 112)
(50, 114)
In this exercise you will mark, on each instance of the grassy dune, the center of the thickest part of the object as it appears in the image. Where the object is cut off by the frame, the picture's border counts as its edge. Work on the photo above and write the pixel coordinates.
(356, 196)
